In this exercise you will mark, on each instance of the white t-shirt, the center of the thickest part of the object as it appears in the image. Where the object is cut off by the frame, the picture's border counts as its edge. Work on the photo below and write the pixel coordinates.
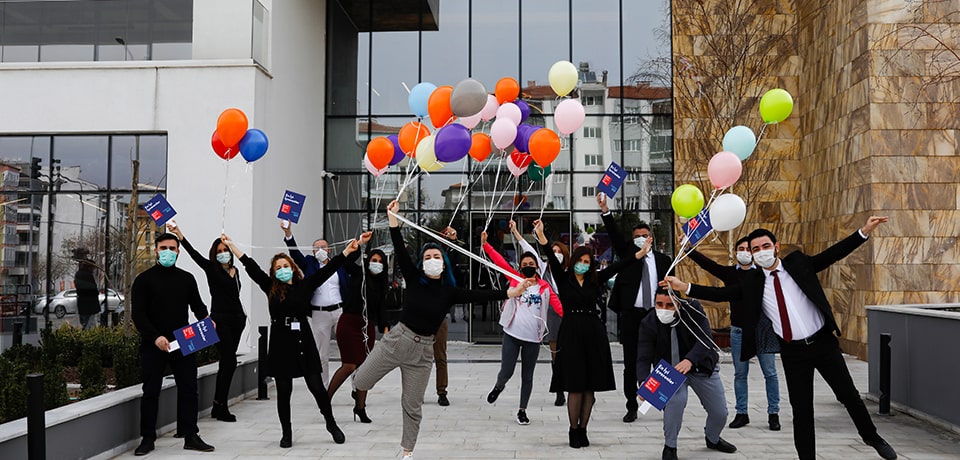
(527, 322)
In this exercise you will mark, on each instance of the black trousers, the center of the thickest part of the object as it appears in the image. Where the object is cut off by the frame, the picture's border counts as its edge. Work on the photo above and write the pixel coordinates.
(153, 363)
(314, 383)
(824, 356)
(630, 318)
(229, 328)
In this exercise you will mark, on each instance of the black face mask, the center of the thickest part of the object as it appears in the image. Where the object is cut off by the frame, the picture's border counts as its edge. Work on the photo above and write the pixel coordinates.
(528, 272)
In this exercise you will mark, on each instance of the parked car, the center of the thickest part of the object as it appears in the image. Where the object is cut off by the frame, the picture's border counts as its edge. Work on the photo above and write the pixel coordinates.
(65, 302)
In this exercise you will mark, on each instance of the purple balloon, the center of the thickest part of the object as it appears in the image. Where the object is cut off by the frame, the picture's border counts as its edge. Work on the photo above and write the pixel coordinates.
(522, 141)
(397, 153)
(524, 109)
(452, 143)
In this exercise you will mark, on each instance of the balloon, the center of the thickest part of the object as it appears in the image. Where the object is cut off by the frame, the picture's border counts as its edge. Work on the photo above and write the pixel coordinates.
(687, 200)
(232, 126)
(373, 170)
(439, 106)
(490, 109)
(727, 212)
(724, 169)
(398, 155)
(544, 146)
(222, 151)
(503, 131)
(419, 97)
(740, 140)
(254, 145)
(452, 142)
(469, 97)
(480, 147)
(470, 122)
(776, 105)
(426, 157)
(410, 135)
(524, 131)
(511, 112)
(524, 109)
(537, 174)
(563, 77)
(569, 116)
(380, 152)
(507, 89)
(518, 163)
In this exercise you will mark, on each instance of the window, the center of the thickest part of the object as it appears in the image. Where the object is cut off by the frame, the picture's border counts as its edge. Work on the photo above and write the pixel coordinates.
(592, 100)
(629, 145)
(589, 191)
(592, 132)
(593, 160)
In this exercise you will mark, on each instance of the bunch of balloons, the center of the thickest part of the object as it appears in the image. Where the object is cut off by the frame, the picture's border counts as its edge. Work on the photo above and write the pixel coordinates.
(232, 137)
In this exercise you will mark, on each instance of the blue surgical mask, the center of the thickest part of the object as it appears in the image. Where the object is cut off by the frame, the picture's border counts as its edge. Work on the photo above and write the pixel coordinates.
(223, 257)
(167, 257)
(581, 268)
(284, 274)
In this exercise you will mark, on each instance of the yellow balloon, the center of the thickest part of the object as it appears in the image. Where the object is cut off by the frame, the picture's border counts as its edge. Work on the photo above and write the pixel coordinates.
(563, 77)
(426, 157)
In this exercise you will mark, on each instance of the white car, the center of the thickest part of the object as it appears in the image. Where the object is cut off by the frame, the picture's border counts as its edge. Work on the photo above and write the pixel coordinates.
(65, 302)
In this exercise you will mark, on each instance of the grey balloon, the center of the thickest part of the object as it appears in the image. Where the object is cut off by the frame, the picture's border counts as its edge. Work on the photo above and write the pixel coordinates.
(468, 98)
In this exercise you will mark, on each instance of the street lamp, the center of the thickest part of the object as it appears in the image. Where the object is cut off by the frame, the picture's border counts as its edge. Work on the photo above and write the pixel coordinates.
(126, 51)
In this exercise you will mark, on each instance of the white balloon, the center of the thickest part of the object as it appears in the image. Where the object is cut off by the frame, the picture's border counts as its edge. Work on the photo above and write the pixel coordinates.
(727, 212)
(510, 111)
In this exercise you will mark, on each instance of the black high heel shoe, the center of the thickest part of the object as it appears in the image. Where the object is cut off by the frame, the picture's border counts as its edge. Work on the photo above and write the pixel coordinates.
(334, 430)
(361, 413)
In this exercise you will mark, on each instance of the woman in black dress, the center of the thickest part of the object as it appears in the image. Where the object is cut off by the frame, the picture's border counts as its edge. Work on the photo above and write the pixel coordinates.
(293, 352)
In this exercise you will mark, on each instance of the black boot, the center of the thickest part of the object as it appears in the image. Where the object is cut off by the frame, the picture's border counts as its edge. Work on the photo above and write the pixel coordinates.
(286, 441)
(361, 413)
(560, 399)
(584, 442)
(574, 438)
(220, 412)
(338, 436)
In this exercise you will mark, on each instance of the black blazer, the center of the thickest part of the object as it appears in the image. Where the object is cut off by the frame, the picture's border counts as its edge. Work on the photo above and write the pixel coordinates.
(653, 343)
(625, 289)
(802, 267)
(729, 275)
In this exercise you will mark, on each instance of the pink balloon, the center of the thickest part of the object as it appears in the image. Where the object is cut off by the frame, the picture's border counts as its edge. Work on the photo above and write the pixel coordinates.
(511, 112)
(724, 169)
(490, 109)
(373, 170)
(569, 116)
(470, 122)
(503, 131)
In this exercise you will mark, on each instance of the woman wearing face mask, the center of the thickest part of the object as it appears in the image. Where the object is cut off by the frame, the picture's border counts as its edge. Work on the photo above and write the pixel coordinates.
(226, 310)
(357, 329)
(584, 364)
(292, 351)
(430, 293)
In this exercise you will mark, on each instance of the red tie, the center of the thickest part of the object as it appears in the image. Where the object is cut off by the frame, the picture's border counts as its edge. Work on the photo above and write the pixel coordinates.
(782, 306)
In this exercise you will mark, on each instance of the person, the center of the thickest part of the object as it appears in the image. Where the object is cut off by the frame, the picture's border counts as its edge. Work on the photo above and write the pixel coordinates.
(328, 298)
(292, 353)
(88, 295)
(631, 296)
(440, 344)
(357, 330)
(768, 361)
(431, 291)
(682, 338)
(584, 364)
(161, 296)
(788, 292)
(554, 318)
(524, 320)
(223, 280)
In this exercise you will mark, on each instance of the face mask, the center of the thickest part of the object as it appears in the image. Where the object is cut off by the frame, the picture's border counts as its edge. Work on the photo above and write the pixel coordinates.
(559, 256)
(321, 255)
(433, 267)
(167, 257)
(376, 268)
(744, 257)
(284, 274)
(765, 258)
(639, 241)
(223, 257)
(665, 316)
(580, 268)
(528, 272)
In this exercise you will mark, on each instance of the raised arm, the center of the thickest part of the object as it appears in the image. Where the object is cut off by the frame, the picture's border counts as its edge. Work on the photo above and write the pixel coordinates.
(253, 270)
(620, 245)
(318, 277)
(495, 256)
(616, 267)
(295, 254)
(844, 247)
(527, 247)
(716, 294)
(407, 268)
(198, 258)
(556, 268)
(718, 271)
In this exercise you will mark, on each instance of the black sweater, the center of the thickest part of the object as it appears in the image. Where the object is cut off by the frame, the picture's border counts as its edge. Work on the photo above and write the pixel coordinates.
(425, 305)
(161, 297)
(224, 289)
(693, 338)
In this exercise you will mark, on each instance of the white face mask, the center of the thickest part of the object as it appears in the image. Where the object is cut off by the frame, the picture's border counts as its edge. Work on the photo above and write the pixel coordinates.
(559, 256)
(639, 241)
(744, 257)
(765, 258)
(666, 316)
(433, 267)
(321, 255)
(376, 268)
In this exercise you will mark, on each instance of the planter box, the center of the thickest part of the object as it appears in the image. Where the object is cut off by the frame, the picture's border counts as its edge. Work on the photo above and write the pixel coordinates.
(108, 425)
(923, 374)
(721, 337)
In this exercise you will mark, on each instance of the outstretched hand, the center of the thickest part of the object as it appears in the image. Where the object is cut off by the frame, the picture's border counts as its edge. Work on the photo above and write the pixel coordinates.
(365, 237)
(173, 228)
(602, 202)
(538, 230)
(393, 210)
(352, 246)
(872, 223)
(647, 246)
(450, 233)
(483, 238)
(674, 283)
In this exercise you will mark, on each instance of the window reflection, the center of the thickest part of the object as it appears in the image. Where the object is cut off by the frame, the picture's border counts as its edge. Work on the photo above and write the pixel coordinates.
(445, 51)
(495, 52)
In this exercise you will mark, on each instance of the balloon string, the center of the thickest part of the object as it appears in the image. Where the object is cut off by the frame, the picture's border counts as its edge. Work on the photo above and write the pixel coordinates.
(226, 184)
(465, 190)
(493, 208)
(547, 191)
(762, 130)
(521, 198)
(493, 192)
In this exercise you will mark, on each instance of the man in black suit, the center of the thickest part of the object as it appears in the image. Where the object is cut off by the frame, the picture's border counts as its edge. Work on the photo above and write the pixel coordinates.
(788, 292)
(632, 296)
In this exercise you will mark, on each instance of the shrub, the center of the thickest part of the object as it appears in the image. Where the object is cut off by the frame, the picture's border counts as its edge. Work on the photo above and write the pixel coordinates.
(92, 381)
(54, 382)
(70, 344)
(126, 361)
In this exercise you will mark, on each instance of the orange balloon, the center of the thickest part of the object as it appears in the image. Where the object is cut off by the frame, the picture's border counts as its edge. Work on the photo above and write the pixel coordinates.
(410, 135)
(232, 125)
(380, 152)
(480, 148)
(438, 106)
(544, 146)
(507, 90)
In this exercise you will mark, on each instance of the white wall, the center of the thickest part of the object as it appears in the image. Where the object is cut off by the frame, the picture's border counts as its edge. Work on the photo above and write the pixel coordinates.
(222, 29)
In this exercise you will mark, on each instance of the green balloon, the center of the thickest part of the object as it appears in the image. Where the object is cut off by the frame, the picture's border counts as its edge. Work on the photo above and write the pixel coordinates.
(687, 200)
(536, 173)
(776, 105)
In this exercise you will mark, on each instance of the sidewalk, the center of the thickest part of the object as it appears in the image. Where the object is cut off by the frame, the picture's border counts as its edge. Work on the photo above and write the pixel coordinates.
(472, 429)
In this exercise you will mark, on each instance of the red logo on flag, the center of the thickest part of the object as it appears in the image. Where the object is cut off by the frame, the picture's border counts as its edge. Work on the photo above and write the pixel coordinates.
(607, 179)
(156, 215)
(651, 384)
(693, 223)
(188, 332)
(285, 208)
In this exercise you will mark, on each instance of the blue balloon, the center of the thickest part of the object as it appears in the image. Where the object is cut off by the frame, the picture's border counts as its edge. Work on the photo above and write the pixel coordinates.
(254, 145)
(398, 155)
(740, 140)
(522, 141)
(418, 98)
(452, 143)
(524, 109)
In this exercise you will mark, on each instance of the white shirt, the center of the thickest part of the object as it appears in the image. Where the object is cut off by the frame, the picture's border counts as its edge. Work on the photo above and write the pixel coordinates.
(649, 277)
(527, 320)
(805, 318)
(328, 293)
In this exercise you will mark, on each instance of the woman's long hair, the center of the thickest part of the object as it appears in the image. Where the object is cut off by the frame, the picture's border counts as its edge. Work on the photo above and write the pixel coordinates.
(446, 278)
(213, 251)
(566, 254)
(591, 274)
(276, 289)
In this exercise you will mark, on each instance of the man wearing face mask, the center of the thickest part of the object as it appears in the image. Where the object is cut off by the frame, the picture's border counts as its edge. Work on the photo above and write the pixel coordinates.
(768, 365)
(788, 292)
(161, 296)
(327, 299)
(681, 337)
(632, 294)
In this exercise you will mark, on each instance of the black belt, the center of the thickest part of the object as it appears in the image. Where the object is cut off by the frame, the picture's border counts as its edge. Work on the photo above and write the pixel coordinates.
(327, 308)
(824, 331)
(286, 321)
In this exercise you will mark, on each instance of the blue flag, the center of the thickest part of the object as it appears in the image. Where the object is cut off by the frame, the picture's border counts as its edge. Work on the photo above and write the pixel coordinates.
(196, 336)
(697, 228)
(159, 209)
(661, 385)
(291, 206)
(612, 180)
